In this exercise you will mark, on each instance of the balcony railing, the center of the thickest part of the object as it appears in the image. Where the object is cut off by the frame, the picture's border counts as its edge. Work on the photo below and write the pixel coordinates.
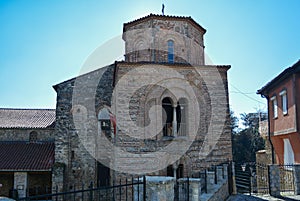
(181, 129)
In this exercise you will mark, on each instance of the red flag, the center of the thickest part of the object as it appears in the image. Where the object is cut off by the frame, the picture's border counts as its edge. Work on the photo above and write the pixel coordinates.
(113, 121)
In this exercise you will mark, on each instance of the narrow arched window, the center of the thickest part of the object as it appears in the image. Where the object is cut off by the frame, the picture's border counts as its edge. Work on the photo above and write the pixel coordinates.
(167, 114)
(104, 119)
(33, 136)
(170, 51)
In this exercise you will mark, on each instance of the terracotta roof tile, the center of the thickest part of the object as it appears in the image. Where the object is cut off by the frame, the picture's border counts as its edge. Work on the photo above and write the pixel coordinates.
(26, 156)
(27, 118)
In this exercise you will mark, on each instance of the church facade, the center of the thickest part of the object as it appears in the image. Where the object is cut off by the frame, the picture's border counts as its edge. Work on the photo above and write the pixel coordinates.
(161, 111)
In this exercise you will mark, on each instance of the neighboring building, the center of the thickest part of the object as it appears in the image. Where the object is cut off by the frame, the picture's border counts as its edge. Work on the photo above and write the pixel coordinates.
(282, 94)
(167, 42)
(264, 156)
(26, 150)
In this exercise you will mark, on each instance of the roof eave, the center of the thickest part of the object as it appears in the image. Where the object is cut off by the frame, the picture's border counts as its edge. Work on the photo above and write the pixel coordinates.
(279, 78)
(137, 21)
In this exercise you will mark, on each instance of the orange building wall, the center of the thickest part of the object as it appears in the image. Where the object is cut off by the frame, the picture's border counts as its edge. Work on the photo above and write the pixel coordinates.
(279, 146)
(283, 123)
(297, 98)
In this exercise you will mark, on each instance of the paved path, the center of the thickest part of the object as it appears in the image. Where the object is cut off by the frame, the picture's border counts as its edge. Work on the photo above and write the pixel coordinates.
(263, 198)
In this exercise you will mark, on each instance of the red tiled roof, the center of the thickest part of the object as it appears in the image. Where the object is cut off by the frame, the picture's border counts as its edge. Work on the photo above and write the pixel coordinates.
(27, 118)
(25, 156)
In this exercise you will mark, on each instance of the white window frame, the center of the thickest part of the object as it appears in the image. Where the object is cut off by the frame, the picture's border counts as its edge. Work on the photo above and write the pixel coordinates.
(170, 51)
(284, 102)
(288, 152)
(275, 106)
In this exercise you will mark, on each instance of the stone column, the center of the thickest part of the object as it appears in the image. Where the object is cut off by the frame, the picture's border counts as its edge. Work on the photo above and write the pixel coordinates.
(274, 179)
(157, 188)
(20, 183)
(225, 171)
(192, 186)
(210, 181)
(174, 121)
(175, 171)
(297, 179)
(219, 170)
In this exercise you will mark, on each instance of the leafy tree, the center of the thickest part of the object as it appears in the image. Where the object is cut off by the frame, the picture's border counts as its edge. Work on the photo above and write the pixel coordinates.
(233, 122)
(247, 141)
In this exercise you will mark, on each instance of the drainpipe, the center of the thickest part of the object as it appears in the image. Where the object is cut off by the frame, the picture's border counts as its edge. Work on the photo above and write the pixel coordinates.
(269, 133)
(295, 101)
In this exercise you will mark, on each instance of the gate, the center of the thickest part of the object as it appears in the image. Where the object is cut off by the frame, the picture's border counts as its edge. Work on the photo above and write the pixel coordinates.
(287, 178)
(262, 179)
(243, 177)
(252, 177)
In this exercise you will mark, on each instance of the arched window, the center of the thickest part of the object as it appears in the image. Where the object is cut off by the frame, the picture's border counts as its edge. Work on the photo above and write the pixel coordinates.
(170, 51)
(167, 115)
(182, 117)
(104, 119)
(33, 136)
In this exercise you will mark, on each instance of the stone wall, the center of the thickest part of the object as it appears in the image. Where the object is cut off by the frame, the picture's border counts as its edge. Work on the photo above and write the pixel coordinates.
(221, 194)
(23, 134)
(148, 41)
(157, 188)
(221, 147)
(80, 165)
(70, 152)
(20, 183)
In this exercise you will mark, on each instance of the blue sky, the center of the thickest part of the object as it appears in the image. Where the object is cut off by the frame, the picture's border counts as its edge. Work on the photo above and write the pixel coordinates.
(43, 43)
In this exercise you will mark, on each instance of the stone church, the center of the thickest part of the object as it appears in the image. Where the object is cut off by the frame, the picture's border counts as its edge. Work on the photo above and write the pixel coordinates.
(160, 111)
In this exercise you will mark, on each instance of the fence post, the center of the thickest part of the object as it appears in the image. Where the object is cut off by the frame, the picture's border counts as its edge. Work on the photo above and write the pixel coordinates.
(274, 180)
(91, 191)
(215, 170)
(132, 188)
(205, 181)
(82, 193)
(56, 191)
(120, 189)
(210, 181)
(219, 174)
(231, 176)
(297, 179)
(188, 189)
(144, 187)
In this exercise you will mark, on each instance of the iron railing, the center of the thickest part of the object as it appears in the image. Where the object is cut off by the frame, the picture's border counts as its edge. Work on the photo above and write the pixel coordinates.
(181, 129)
(130, 189)
(286, 178)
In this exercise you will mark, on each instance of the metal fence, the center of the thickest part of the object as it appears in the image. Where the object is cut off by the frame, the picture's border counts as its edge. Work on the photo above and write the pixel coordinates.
(286, 178)
(255, 178)
(262, 179)
(126, 190)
